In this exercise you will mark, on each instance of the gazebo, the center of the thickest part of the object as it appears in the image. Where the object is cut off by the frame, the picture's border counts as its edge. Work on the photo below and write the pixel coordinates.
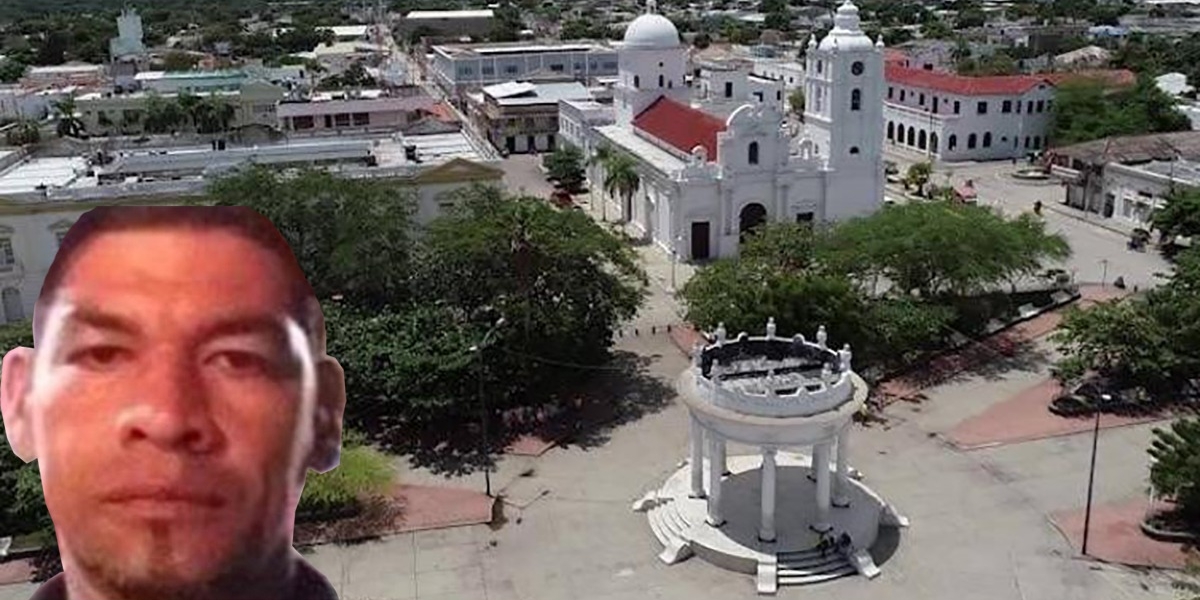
(771, 393)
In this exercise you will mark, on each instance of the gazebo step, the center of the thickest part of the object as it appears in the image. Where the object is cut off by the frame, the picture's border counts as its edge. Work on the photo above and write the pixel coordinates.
(810, 561)
(791, 577)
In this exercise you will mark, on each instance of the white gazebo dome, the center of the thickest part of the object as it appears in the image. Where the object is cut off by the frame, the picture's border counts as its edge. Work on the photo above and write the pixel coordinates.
(651, 32)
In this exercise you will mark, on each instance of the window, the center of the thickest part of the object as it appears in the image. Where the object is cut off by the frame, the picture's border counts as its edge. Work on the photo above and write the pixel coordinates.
(987, 139)
(1049, 105)
(299, 123)
(971, 142)
(578, 66)
(637, 82)
(890, 91)
(661, 80)
(758, 96)
(611, 65)
(778, 95)
(1006, 106)
(511, 69)
(328, 121)
(1029, 107)
(856, 68)
(671, 84)
(1041, 106)
(922, 100)
(953, 141)
(981, 108)
(753, 153)
(957, 107)
(1037, 142)
(557, 68)
(7, 259)
(855, 99)
(465, 71)
(728, 89)
(361, 119)
(488, 70)
(891, 131)
(1027, 142)
(853, 149)
(902, 95)
(1018, 107)
(935, 104)
(820, 66)
(341, 119)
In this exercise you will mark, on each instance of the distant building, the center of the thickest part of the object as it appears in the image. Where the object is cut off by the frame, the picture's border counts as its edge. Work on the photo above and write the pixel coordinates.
(1126, 178)
(725, 86)
(77, 74)
(129, 41)
(523, 117)
(254, 103)
(443, 23)
(785, 71)
(369, 110)
(1173, 84)
(459, 68)
(17, 102)
(1088, 57)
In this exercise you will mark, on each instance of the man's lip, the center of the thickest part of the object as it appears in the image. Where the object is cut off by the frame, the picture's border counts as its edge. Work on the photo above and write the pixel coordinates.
(164, 494)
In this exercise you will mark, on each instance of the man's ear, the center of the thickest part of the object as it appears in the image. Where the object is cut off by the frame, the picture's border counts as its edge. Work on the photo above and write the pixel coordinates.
(15, 377)
(327, 418)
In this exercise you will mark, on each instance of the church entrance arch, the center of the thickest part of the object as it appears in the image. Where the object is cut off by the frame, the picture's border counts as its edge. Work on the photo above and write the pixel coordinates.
(752, 215)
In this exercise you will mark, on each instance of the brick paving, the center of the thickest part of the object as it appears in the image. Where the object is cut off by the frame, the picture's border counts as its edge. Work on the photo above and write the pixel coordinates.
(16, 571)
(1026, 416)
(1115, 536)
(434, 507)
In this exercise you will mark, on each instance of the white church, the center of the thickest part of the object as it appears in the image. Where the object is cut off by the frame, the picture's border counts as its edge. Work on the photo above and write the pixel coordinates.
(705, 180)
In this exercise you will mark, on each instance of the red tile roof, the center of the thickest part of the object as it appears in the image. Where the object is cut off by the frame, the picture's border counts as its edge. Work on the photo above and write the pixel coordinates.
(681, 126)
(997, 85)
(894, 56)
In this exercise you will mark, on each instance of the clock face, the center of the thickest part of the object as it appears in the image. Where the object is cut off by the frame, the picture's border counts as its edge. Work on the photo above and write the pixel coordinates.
(856, 68)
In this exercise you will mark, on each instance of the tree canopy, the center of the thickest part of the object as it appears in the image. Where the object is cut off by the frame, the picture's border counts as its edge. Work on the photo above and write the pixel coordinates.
(1085, 110)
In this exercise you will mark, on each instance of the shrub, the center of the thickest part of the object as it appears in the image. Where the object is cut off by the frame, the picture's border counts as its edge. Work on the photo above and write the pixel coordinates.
(363, 473)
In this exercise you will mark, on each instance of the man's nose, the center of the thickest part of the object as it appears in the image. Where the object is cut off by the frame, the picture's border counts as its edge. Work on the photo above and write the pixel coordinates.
(170, 409)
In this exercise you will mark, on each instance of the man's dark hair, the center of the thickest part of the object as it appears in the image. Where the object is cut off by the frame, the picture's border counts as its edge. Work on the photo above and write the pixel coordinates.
(239, 220)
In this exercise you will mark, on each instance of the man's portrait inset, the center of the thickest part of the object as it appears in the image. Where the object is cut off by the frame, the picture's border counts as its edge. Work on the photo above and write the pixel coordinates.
(176, 396)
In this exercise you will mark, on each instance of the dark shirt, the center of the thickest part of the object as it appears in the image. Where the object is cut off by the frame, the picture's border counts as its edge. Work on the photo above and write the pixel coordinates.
(307, 585)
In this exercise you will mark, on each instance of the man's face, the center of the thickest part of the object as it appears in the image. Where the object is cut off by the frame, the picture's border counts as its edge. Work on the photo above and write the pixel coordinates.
(172, 409)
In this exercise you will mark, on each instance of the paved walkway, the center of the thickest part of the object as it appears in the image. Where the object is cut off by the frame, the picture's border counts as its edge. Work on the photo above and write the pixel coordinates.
(1114, 536)
(1026, 416)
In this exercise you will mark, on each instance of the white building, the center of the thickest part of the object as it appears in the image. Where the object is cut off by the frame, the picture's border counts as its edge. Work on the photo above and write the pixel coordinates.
(17, 102)
(129, 40)
(706, 180)
(458, 68)
(732, 84)
(450, 22)
(788, 72)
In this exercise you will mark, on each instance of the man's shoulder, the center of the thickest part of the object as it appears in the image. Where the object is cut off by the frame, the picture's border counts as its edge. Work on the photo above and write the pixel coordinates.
(310, 583)
(54, 588)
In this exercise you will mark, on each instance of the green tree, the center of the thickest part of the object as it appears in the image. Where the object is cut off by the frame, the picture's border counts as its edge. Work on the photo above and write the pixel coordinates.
(796, 102)
(180, 61)
(1086, 110)
(24, 132)
(565, 165)
(192, 107)
(918, 175)
(363, 473)
(621, 178)
(11, 70)
(214, 115)
(1175, 472)
(1179, 215)
(352, 237)
(69, 124)
(936, 29)
(22, 506)
(163, 115)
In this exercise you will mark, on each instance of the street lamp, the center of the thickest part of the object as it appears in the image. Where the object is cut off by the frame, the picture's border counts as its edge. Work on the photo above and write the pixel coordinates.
(675, 259)
(477, 349)
(1104, 273)
(1087, 514)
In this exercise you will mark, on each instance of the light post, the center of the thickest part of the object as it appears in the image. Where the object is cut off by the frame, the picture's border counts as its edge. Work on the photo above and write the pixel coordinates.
(477, 349)
(1104, 273)
(1087, 514)
(675, 259)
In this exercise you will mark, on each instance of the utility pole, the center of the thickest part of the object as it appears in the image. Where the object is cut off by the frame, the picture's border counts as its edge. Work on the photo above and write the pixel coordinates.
(1087, 515)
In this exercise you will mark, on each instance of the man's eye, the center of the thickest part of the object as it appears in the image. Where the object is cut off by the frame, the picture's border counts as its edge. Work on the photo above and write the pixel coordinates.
(241, 363)
(99, 357)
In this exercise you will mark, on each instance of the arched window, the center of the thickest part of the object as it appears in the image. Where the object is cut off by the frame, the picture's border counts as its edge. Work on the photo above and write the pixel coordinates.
(820, 65)
(971, 142)
(1037, 142)
(912, 136)
(900, 133)
(921, 140)
(987, 139)
(671, 84)
(853, 149)
(953, 141)
(661, 81)
(933, 147)
(753, 153)
(855, 99)
(637, 82)
(891, 131)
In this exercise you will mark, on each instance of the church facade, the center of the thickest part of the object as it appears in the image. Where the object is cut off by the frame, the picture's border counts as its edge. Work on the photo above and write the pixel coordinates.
(706, 180)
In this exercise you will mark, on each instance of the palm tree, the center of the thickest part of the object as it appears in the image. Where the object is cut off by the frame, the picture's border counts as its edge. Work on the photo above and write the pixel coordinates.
(191, 105)
(600, 157)
(69, 125)
(621, 179)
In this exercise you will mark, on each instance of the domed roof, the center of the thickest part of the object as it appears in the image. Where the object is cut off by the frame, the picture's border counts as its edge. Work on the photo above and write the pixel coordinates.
(651, 31)
(847, 33)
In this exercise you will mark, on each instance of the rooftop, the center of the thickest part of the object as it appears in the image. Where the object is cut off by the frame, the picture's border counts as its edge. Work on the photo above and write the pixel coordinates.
(1184, 171)
(681, 126)
(1135, 148)
(519, 93)
(999, 85)
(25, 177)
(65, 69)
(505, 48)
(349, 30)
(450, 14)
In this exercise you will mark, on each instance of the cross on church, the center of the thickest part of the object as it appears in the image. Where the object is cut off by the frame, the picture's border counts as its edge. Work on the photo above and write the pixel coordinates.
(651, 6)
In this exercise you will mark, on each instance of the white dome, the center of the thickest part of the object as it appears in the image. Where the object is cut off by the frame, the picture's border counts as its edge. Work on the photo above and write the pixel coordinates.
(651, 31)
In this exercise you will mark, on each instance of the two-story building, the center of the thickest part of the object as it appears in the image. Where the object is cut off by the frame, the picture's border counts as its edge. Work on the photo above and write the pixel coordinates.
(367, 110)
(520, 117)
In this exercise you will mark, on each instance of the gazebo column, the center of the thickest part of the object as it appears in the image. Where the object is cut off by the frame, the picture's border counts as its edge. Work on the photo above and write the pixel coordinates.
(820, 465)
(697, 459)
(719, 455)
(766, 529)
(841, 495)
(716, 465)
